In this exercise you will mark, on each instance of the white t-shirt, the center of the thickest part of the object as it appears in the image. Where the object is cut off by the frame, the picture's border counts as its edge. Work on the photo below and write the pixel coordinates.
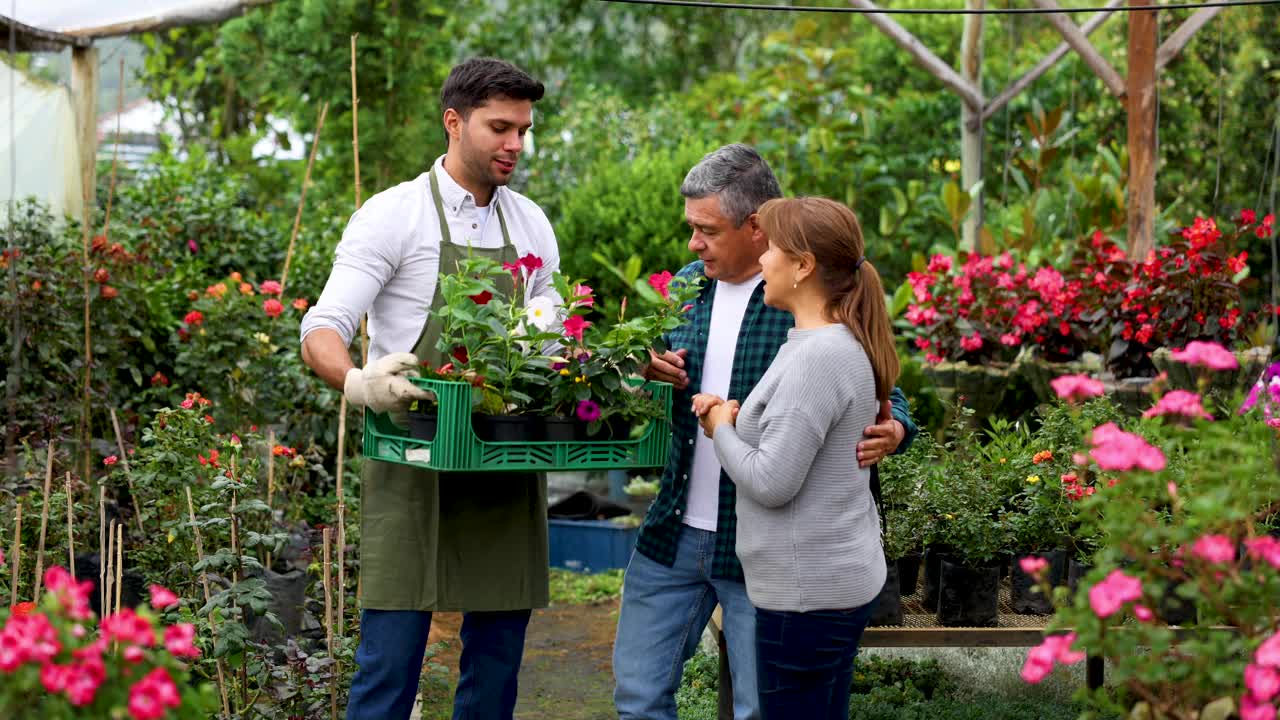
(389, 258)
(728, 305)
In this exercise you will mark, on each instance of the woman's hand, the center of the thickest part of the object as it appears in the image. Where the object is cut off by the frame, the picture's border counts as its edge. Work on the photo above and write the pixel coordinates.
(703, 402)
(722, 412)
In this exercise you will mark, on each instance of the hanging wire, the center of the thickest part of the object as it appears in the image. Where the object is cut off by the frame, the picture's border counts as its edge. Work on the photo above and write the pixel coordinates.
(1217, 173)
(1008, 122)
(935, 11)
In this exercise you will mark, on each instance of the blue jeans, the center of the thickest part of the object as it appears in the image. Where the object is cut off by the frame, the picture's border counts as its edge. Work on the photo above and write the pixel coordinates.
(806, 661)
(664, 610)
(392, 644)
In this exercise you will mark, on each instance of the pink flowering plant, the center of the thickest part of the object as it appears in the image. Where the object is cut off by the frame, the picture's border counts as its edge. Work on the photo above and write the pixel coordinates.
(57, 661)
(1183, 507)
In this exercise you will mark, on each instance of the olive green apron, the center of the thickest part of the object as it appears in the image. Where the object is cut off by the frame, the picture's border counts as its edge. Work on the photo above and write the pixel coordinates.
(452, 541)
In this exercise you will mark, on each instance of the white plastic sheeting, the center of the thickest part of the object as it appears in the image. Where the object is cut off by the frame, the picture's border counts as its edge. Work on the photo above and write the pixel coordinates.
(77, 16)
(41, 143)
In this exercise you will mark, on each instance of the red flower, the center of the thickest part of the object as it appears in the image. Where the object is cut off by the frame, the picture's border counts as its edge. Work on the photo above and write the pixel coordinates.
(272, 307)
(299, 303)
(662, 283)
(101, 276)
(1237, 263)
(159, 379)
(193, 318)
(972, 343)
(23, 609)
(481, 298)
(460, 354)
(107, 292)
(110, 460)
(574, 325)
(530, 262)
(1248, 217)
(283, 451)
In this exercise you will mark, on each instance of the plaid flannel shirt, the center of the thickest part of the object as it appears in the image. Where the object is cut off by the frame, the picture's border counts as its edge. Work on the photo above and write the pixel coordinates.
(764, 330)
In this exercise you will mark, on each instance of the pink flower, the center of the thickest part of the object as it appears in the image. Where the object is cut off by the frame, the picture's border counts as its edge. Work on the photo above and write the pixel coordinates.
(918, 316)
(128, 627)
(72, 596)
(1077, 387)
(940, 263)
(1142, 612)
(1264, 548)
(272, 307)
(270, 287)
(1054, 649)
(83, 679)
(662, 283)
(1263, 682)
(1011, 339)
(1206, 354)
(162, 597)
(588, 411)
(1038, 665)
(1033, 565)
(27, 638)
(179, 639)
(1268, 653)
(193, 247)
(972, 343)
(54, 677)
(110, 460)
(574, 325)
(150, 696)
(1215, 549)
(1251, 709)
(1113, 592)
(1115, 449)
(1179, 402)
(582, 296)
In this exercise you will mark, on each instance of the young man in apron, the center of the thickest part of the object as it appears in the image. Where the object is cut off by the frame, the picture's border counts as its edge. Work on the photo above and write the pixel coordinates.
(432, 541)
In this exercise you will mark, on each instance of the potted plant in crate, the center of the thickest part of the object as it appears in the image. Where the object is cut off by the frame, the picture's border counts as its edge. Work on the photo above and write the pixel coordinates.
(499, 341)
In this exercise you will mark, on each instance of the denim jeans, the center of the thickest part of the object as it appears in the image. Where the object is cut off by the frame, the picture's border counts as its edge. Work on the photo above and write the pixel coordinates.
(806, 661)
(392, 644)
(664, 610)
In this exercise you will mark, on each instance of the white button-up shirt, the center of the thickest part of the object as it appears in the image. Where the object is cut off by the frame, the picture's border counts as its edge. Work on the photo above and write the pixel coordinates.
(389, 258)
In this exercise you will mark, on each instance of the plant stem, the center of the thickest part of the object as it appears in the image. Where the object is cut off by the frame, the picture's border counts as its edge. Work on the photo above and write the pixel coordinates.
(71, 535)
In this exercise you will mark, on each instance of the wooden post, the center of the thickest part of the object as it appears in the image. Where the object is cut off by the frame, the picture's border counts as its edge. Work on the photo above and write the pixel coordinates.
(208, 596)
(15, 555)
(971, 128)
(119, 562)
(71, 534)
(1141, 101)
(84, 91)
(44, 521)
(102, 550)
(108, 597)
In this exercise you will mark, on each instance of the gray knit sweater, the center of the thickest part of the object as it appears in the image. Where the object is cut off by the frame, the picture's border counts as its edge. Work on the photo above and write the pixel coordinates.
(808, 531)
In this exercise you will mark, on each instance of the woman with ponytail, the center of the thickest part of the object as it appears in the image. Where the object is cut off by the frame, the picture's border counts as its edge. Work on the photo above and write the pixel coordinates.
(808, 532)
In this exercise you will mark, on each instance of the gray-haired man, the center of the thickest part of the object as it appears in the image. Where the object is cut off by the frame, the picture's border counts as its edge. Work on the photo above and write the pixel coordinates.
(685, 561)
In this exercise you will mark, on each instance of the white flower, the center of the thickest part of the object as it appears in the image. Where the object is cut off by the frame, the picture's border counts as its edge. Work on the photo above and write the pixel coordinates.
(541, 312)
(263, 338)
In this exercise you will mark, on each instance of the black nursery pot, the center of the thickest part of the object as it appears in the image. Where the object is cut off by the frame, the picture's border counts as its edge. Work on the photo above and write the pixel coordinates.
(1076, 571)
(423, 423)
(1174, 609)
(564, 428)
(506, 428)
(933, 556)
(908, 573)
(888, 607)
(1025, 595)
(969, 596)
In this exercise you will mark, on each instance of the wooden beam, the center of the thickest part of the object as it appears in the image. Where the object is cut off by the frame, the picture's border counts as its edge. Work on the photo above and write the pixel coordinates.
(212, 11)
(1173, 45)
(84, 98)
(923, 56)
(1076, 39)
(1142, 129)
(971, 123)
(33, 39)
(1093, 23)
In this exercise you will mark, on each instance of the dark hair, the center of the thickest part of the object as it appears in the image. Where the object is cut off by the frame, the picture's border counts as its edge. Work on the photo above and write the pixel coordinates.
(738, 176)
(472, 83)
(829, 231)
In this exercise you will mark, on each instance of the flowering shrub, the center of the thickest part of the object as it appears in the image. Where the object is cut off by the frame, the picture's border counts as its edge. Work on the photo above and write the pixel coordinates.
(55, 664)
(1183, 509)
(983, 309)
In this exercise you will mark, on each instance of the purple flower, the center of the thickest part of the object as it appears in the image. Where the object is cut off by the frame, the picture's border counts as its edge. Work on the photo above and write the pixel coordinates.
(588, 411)
(1269, 383)
(192, 246)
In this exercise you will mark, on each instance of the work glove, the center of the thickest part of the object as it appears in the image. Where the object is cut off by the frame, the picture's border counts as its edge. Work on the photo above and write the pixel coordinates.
(383, 385)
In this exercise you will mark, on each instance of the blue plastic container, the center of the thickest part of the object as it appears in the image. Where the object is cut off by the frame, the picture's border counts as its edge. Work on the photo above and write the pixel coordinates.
(591, 545)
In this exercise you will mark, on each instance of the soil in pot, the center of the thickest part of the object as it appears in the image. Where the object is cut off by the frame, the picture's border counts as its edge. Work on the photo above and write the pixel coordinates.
(422, 424)
(1025, 596)
(908, 573)
(564, 428)
(506, 428)
(968, 596)
(888, 608)
(933, 556)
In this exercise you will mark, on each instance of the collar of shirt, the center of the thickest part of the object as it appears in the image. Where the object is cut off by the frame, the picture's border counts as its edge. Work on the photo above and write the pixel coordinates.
(456, 198)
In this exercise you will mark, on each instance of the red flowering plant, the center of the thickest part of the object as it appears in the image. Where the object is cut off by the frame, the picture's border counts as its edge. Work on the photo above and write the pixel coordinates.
(1185, 290)
(54, 662)
(984, 309)
(1185, 540)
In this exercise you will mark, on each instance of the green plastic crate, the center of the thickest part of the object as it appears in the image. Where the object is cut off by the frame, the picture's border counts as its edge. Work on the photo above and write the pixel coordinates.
(457, 449)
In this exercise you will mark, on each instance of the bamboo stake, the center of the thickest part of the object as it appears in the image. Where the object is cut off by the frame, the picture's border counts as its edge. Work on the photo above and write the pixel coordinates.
(271, 472)
(364, 360)
(111, 568)
(102, 548)
(328, 629)
(128, 472)
(71, 535)
(342, 506)
(115, 151)
(355, 117)
(16, 554)
(302, 197)
(208, 597)
(44, 521)
(119, 562)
